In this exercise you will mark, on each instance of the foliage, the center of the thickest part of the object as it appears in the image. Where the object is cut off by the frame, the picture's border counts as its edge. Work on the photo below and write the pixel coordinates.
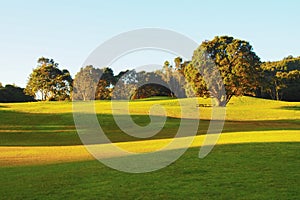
(233, 59)
(150, 90)
(173, 77)
(12, 93)
(49, 81)
(281, 79)
(137, 85)
(125, 84)
(92, 83)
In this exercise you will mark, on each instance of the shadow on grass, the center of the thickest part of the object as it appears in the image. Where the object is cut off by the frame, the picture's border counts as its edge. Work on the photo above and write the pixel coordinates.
(155, 99)
(255, 171)
(290, 107)
(42, 129)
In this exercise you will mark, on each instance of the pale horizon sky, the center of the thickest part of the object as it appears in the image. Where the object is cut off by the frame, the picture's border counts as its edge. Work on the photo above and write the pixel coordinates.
(68, 31)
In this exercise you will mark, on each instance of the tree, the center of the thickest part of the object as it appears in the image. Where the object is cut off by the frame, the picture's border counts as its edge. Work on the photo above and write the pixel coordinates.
(150, 90)
(137, 85)
(126, 83)
(106, 81)
(234, 60)
(196, 85)
(174, 78)
(12, 93)
(1, 86)
(281, 79)
(85, 83)
(49, 81)
(93, 83)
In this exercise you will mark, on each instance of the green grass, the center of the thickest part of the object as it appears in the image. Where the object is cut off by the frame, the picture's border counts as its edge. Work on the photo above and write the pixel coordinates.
(244, 171)
(51, 123)
(264, 170)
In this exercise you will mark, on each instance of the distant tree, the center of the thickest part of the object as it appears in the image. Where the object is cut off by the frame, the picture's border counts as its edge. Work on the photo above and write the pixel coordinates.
(150, 90)
(12, 93)
(105, 83)
(281, 79)
(178, 62)
(151, 84)
(174, 78)
(1, 86)
(85, 83)
(236, 62)
(93, 83)
(102, 90)
(137, 85)
(49, 81)
(125, 84)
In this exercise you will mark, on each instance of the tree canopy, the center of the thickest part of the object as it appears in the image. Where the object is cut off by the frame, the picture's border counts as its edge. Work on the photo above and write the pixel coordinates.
(12, 93)
(233, 59)
(220, 68)
(93, 83)
(49, 81)
(281, 79)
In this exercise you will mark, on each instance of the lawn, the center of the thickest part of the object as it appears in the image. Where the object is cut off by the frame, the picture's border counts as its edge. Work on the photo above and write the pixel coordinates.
(257, 156)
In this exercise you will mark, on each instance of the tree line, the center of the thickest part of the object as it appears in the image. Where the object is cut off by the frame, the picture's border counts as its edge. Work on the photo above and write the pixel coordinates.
(222, 64)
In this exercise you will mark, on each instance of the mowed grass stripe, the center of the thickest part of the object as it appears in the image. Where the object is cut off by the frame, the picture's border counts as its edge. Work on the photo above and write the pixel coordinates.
(18, 156)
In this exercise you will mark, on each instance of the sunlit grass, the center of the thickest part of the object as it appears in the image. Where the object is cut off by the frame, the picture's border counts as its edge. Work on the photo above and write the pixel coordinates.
(11, 156)
(239, 108)
(256, 157)
(242, 171)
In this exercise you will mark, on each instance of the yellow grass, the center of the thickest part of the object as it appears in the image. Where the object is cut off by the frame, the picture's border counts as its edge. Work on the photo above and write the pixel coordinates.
(15, 156)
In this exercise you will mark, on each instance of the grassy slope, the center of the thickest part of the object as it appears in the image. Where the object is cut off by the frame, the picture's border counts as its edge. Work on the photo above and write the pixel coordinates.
(248, 171)
(245, 171)
(51, 123)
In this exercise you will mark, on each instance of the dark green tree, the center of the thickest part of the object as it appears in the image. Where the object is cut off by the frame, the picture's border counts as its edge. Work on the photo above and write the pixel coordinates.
(12, 93)
(104, 86)
(280, 80)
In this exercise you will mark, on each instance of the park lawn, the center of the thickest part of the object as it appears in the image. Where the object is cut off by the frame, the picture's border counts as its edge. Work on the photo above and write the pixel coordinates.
(236, 171)
(51, 123)
(257, 156)
(40, 155)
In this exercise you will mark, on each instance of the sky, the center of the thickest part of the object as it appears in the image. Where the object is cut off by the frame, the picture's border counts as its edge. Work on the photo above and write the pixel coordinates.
(68, 31)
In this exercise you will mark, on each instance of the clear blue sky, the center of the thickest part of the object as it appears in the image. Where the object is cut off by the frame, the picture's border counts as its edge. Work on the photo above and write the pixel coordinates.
(68, 31)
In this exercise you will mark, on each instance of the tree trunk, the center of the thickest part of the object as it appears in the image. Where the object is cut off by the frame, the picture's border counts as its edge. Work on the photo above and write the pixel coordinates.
(221, 103)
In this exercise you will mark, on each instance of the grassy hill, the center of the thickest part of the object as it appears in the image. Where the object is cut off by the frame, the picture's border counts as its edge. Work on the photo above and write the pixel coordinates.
(257, 156)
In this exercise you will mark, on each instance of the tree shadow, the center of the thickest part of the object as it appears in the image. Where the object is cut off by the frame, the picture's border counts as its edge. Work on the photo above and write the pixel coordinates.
(43, 129)
(158, 98)
(290, 107)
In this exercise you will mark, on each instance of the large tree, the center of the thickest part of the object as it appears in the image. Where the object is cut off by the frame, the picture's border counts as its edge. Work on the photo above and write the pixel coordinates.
(48, 81)
(234, 60)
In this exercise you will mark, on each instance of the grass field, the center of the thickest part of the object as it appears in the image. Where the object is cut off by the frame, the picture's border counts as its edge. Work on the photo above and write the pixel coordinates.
(257, 156)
